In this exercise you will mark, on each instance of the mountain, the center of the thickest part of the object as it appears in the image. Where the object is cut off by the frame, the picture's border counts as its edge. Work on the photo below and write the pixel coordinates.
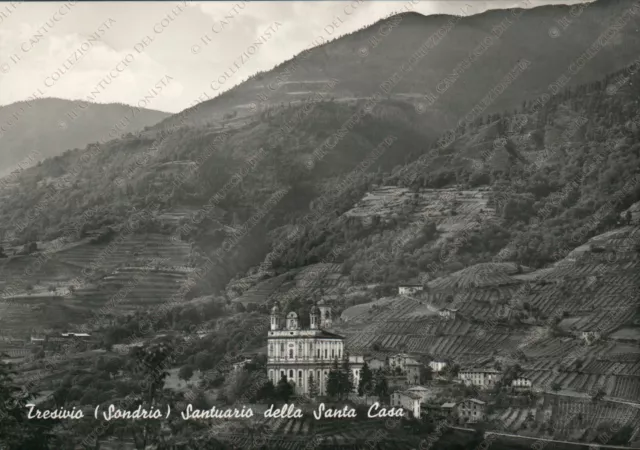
(41, 128)
(280, 189)
(457, 60)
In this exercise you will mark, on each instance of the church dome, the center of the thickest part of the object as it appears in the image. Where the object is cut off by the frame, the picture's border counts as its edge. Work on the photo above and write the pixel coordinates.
(275, 309)
(314, 310)
(292, 315)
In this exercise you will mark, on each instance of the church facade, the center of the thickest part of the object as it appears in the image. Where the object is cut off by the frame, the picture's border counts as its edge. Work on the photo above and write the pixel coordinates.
(303, 355)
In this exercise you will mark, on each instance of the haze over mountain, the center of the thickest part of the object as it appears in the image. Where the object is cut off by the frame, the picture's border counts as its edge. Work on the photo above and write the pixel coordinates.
(42, 128)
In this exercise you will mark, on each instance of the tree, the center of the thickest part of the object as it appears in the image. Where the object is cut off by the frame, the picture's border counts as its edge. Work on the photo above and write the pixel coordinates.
(365, 386)
(186, 372)
(333, 381)
(381, 388)
(16, 430)
(266, 392)
(346, 378)
(284, 389)
(598, 395)
(313, 389)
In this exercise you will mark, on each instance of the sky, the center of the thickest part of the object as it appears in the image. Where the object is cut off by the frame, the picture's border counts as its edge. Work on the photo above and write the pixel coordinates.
(118, 52)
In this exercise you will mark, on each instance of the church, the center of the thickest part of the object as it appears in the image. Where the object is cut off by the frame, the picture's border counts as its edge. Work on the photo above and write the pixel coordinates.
(300, 354)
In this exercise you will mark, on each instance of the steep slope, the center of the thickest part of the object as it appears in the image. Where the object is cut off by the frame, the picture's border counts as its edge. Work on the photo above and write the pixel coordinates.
(38, 129)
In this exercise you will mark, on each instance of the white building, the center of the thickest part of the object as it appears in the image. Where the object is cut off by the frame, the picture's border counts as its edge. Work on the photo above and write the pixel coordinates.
(483, 378)
(410, 401)
(448, 313)
(409, 288)
(303, 355)
(437, 366)
(402, 360)
(521, 384)
(590, 336)
(237, 367)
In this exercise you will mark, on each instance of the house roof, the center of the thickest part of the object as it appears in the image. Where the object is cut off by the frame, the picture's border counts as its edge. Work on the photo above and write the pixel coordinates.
(410, 394)
(479, 371)
(448, 405)
(475, 400)
(328, 334)
(418, 388)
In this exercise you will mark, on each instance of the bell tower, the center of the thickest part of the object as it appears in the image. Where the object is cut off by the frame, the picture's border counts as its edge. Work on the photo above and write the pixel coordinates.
(325, 314)
(275, 318)
(314, 317)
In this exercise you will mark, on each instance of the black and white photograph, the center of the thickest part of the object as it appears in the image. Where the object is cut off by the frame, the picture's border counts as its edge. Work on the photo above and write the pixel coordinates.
(319, 225)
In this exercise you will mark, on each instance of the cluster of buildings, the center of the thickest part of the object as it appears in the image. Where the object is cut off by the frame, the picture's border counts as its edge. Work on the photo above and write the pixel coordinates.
(306, 355)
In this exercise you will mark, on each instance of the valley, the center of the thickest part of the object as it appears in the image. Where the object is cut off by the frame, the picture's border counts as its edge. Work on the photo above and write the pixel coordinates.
(496, 265)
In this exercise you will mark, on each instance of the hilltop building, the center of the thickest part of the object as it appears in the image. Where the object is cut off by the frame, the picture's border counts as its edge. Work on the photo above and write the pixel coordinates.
(483, 378)
(410, 288)
(590, 337)
(305, 354)
(448, 313)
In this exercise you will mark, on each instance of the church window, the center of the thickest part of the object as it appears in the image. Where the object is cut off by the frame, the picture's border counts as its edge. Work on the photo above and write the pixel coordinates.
(291, 375)
(282, 348)
(326, 353)
(270, 349)
(333, 353)
(290, 353)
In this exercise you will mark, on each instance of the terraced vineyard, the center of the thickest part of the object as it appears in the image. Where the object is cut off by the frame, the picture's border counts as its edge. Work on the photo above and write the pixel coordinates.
(515, 419)
(479, 275)
(395, 325)
(571, 415)
(134, 248)
(143, 269)
(140, 286)
(326, 434)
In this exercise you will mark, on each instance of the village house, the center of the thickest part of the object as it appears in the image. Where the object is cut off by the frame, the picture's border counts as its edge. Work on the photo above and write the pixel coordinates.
(449, 409)
(448, 313)
(424, 393)
(472, 410)
(590, 336)
(437, 366)
(482, 378)
(237, 367)
(375, 363)
(521, 384)
(410, 288)
(408, 400)
(402, 360)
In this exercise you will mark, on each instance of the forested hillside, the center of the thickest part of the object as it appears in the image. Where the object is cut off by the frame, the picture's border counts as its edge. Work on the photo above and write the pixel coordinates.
(41, 128)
